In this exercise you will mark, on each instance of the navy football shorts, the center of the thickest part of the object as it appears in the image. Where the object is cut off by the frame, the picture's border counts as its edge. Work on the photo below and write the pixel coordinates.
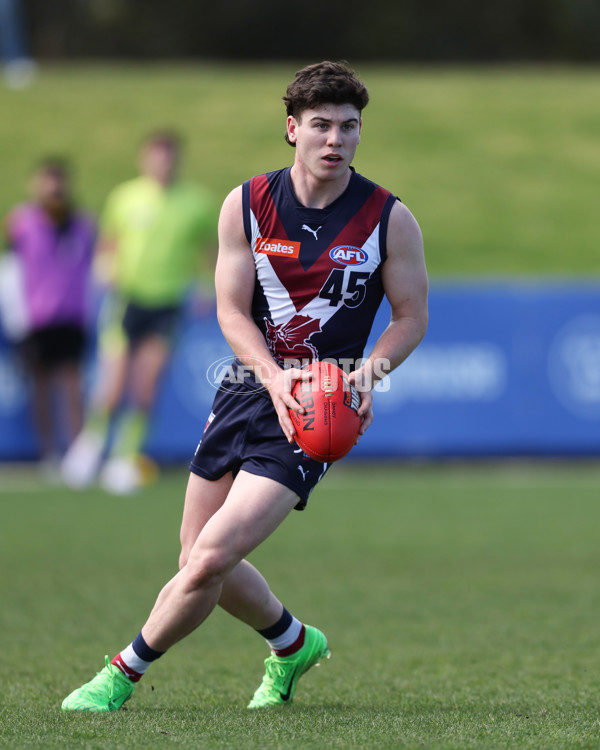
(243, 432)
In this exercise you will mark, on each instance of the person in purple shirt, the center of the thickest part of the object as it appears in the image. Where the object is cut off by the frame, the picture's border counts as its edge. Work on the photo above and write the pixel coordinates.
(53, 244)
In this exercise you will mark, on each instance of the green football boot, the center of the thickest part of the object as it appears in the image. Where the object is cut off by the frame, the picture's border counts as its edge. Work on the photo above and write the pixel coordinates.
(106, 692)
(283, 672)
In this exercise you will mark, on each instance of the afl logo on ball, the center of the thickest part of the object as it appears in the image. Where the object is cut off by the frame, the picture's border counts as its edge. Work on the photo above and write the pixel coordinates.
(348, 255)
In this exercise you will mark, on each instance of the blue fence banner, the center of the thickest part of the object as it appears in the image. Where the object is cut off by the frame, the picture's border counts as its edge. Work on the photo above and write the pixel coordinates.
(506, 368)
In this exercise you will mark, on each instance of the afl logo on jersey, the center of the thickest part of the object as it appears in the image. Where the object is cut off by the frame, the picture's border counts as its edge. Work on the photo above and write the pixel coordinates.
(348, 255)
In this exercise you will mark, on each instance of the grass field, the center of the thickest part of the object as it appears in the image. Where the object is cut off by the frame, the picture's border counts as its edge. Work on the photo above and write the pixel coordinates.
(500, 166)
(461, 603)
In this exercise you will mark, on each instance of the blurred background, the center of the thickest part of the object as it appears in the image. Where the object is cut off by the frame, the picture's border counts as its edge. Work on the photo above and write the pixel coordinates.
(484, 119)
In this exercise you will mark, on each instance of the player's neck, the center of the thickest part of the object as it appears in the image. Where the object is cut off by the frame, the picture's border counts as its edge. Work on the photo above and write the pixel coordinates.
(315, 193)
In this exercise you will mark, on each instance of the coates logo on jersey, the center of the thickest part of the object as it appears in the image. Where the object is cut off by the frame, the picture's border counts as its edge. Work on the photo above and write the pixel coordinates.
(348, 255)
(282, 248)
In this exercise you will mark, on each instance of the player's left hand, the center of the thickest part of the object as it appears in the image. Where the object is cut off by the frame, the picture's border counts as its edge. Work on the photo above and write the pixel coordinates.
(363, 384)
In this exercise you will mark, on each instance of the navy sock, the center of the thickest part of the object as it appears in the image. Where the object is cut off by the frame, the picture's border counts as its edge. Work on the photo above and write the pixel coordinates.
(143, 650)
(286, 636)
(279, 628)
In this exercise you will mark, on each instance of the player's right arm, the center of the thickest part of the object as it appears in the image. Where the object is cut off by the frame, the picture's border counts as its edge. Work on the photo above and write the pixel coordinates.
(234, 283)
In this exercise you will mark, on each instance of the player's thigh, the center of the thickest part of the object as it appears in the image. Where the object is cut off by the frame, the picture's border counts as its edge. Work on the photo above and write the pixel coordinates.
(203, 498)
(254, 508)
(148, 361)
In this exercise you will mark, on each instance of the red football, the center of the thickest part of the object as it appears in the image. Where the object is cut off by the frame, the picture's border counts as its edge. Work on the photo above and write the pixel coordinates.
(329, 426)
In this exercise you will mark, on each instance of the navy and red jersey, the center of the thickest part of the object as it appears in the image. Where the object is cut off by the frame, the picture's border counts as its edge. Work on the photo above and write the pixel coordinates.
(318, 271)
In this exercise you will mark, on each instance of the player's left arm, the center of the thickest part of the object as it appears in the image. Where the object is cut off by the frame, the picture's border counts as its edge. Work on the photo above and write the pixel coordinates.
(405, 283)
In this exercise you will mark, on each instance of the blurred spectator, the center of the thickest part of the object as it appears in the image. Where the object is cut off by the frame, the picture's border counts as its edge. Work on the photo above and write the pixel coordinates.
(153, 232)
(19, 68)
(53, 246)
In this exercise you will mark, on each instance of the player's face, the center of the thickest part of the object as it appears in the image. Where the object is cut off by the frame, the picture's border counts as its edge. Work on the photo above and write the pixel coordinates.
(326, 139)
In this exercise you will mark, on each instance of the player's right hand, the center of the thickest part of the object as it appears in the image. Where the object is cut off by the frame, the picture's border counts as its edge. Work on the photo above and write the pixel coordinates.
(280, 390)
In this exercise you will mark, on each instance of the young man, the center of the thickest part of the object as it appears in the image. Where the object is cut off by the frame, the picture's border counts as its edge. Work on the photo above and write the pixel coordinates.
(53, 244)
(153, 230)
(277, 305)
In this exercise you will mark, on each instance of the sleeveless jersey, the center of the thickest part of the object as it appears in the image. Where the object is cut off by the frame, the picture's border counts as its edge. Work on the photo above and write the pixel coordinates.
(318, 271)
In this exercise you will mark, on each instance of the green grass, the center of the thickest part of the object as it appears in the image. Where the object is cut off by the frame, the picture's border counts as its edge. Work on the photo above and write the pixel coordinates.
(461, 603)
(500, 166)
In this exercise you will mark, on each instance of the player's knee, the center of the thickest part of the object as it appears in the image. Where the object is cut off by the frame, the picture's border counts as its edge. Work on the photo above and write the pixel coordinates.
(186, 550)
(183, 556)
(207, 568)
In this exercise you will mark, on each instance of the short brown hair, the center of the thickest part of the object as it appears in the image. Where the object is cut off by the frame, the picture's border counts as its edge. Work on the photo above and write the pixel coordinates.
(325, 83)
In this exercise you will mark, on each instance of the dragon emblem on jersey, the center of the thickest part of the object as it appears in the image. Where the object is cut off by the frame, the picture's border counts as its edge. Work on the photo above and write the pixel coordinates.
(292, 338)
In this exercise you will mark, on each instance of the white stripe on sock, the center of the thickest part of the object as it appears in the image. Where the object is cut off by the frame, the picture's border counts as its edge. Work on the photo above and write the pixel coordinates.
(133, 661)
(286, 639)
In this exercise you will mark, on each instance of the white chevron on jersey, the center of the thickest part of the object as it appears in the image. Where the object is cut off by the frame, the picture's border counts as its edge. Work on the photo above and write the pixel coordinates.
(281, 306)
(280, 303)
